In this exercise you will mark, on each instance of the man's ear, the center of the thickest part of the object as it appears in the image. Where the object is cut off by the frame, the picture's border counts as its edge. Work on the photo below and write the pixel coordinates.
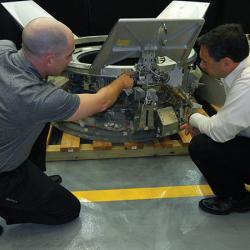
(228, 62)
(228, 65)
(49, 59)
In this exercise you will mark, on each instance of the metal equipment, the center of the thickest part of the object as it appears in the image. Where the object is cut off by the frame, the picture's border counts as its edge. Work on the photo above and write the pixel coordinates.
(158, 52)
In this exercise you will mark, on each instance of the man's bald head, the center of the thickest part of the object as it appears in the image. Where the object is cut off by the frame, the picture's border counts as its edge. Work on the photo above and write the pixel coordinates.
(45, 35)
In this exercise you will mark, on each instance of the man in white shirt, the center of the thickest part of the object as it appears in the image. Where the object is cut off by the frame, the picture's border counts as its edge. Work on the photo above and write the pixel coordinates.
(221, 144)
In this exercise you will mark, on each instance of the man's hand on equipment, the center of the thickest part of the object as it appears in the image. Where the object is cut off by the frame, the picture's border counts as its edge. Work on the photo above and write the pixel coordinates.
(127, 79)
(190, 130)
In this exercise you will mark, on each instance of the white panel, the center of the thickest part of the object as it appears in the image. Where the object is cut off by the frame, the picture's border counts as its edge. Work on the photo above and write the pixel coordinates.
(25, 11)
(184, 10)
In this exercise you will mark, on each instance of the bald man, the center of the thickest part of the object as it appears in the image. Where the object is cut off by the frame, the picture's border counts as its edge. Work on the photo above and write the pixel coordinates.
(27, 103)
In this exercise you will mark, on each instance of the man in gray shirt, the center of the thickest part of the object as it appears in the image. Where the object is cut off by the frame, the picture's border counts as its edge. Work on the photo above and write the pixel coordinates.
(27, 103)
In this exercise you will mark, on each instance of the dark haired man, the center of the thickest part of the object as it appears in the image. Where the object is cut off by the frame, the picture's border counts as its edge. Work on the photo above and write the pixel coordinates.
(27, 103)
(221, 144)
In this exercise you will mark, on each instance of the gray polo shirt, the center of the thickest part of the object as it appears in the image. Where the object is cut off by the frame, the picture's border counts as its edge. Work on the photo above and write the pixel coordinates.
(27, 103)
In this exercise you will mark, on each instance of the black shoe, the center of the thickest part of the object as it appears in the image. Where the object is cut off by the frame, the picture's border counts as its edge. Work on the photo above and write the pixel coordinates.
(218, 206)
(56, 178)
(215, 205)
(1, 230)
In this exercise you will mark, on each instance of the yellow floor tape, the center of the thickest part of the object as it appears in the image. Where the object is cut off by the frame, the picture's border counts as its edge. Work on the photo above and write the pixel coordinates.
(143, 193)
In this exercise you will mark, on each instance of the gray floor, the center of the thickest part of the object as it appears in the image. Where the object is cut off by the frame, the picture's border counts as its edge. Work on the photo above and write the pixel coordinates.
(173, 224)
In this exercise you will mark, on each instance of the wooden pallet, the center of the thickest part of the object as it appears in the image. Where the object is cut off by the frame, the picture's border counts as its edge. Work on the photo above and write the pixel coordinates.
(71, 148)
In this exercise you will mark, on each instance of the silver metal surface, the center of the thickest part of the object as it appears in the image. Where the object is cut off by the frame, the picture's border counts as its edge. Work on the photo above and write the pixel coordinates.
(130, 38)
(168, 121)
(80, 64)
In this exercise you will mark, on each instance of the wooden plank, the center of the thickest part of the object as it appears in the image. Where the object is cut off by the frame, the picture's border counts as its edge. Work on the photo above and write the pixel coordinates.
(167, 143)
(86, 152)
(102, 145)
(157, 143)
(69, 143)
(133, 145)
(49, 135)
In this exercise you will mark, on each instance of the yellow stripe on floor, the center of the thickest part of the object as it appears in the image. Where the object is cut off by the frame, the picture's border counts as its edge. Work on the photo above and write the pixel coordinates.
(143, 193)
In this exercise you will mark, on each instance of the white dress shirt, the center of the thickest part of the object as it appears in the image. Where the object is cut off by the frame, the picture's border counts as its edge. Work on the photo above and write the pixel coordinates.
(234, 117)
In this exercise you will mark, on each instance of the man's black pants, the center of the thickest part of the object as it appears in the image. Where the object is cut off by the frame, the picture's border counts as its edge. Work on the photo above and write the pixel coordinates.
(226, 166)
(27, 195)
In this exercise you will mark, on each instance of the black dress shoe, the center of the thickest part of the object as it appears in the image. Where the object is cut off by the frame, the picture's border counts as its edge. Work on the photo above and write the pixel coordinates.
(215, 205)
(1, 230)
(219, 206)
(56, 178)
